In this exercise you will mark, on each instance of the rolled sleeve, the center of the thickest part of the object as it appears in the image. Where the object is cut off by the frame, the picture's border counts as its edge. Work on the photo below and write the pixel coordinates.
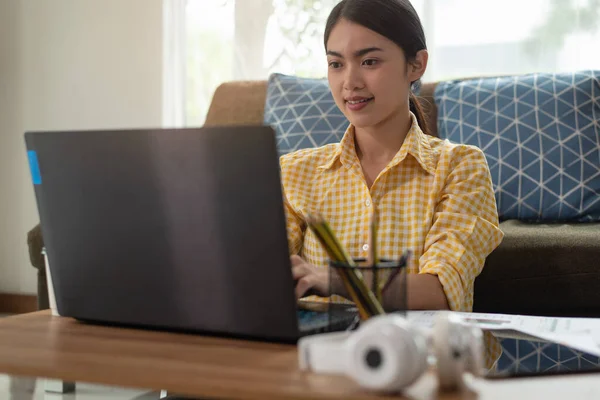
(295, 224)
(465, 228)
(295, 228)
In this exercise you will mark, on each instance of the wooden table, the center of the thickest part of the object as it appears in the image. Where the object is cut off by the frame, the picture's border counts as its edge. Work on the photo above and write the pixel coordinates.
(40, 345)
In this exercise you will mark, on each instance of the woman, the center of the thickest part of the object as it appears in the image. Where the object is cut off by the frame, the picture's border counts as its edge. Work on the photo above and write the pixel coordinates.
(430, 196)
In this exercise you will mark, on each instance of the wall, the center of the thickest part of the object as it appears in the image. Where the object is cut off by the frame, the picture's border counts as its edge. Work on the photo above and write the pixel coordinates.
(16, 208)
(68, 64)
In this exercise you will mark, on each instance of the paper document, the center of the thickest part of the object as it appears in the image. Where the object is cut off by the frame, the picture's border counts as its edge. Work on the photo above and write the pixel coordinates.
(582, 334)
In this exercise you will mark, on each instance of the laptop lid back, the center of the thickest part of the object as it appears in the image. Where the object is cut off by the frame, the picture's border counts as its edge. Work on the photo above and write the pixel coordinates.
(167, 228)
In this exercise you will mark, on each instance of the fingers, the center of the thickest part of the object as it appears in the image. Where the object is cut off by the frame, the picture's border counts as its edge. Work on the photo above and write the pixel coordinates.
(299, 272)
(297, 260)
(308, 280)
(304, 285)
(299, 267)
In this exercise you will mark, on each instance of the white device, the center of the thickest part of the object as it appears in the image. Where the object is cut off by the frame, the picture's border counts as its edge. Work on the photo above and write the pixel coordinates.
(387, 353)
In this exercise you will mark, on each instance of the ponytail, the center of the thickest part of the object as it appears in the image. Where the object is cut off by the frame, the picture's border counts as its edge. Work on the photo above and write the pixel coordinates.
(415, 108)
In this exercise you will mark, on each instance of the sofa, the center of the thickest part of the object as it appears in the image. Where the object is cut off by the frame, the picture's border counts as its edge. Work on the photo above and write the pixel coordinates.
(548, 269)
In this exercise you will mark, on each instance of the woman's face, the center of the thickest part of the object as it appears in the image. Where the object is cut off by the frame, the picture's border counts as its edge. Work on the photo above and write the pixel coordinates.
(368, 74)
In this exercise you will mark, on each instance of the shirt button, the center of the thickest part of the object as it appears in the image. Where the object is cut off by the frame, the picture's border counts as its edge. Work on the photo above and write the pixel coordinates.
(368, 203)
(365, 247)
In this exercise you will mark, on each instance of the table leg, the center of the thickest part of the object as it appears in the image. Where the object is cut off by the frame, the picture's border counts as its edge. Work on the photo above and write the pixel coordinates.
(58, 386)
(21, 388)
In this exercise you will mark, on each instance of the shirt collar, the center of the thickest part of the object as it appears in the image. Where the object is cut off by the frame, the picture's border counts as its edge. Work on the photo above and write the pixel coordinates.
(416, 144)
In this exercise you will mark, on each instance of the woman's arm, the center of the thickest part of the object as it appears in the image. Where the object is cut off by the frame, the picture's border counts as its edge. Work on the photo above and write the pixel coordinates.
(295, 226)
(465, 228)
(295, 223)
(424, 292)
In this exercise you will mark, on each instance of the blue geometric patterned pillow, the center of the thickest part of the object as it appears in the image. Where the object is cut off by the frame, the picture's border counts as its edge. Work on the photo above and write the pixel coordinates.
(541, 136)
(303, 113)
(531, 356)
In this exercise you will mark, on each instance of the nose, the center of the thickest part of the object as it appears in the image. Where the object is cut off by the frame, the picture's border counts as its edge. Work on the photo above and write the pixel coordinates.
(353, 79)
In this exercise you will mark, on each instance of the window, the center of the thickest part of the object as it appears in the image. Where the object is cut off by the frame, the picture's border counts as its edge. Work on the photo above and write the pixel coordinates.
(249, 39)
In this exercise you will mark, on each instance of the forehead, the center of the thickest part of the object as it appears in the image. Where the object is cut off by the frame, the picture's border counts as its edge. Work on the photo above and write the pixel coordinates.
(348, 36)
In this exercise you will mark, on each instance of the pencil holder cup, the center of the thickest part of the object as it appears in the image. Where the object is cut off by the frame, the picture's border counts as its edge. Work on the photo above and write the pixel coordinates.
(372, 289)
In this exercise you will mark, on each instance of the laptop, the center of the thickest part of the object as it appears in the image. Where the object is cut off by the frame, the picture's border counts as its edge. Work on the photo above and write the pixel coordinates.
(175, 229)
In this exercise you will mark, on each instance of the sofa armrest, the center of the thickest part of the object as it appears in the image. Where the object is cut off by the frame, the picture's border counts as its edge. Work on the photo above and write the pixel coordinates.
(238, 103)
(35, 242)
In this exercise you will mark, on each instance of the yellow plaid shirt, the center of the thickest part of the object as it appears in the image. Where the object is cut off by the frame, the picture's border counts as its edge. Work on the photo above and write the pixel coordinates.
(434, 198)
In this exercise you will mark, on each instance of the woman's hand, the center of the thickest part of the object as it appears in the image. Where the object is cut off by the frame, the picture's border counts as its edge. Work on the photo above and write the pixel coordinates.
(310, 280)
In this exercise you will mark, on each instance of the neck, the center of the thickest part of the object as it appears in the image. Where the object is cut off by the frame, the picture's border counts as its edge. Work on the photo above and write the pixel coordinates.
(380, 143)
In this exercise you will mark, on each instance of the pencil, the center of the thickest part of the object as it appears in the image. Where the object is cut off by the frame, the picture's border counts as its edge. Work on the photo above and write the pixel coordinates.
(353, 280)
(336, 254)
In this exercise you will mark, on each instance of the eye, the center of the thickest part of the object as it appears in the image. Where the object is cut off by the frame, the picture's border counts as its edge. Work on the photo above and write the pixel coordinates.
(370, 62)
(335, 65)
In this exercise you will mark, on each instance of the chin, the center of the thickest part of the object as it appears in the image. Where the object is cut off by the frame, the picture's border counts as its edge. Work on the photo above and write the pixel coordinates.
(363, 121)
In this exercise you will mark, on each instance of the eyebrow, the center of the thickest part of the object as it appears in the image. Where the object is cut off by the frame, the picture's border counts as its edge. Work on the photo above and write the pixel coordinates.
(357, 54)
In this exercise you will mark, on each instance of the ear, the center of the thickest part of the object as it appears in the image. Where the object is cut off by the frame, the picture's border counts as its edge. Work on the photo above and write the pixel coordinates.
(417, 67)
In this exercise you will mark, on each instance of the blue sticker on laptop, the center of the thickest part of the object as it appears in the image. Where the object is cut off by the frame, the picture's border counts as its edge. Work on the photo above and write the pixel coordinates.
(34, 166)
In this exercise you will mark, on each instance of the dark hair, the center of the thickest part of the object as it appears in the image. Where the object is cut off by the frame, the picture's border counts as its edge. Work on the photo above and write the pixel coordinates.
(398, 21)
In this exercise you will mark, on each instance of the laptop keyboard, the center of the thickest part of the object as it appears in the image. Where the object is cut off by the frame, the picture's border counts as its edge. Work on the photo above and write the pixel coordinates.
(314, 321)
(307, 319)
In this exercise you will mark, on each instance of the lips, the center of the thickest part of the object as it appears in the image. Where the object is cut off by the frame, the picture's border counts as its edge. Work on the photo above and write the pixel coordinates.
(358, 103)
(357, 99)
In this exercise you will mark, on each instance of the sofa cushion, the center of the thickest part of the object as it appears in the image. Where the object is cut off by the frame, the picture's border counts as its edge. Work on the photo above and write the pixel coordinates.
(542, 269)
(541, 136)
(533, 356)
(302, 112)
